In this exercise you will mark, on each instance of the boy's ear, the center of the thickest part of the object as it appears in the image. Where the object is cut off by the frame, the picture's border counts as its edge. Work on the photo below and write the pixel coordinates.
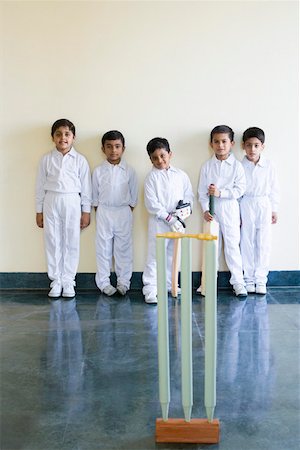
(232, 143)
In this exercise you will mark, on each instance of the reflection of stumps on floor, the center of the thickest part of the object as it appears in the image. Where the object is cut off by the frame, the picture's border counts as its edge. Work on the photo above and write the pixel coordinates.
(187, 430)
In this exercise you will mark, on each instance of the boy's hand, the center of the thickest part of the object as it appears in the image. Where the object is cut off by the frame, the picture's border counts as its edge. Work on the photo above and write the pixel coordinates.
(207, 216)
(175, 223)
(274, 217)
(85, 220)
(178, 227)
(213, 190)
(39, 220)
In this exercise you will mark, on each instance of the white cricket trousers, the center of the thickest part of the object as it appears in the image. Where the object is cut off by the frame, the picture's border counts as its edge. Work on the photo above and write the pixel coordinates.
(227, 214)
(62, 213)
(114, 239)
(256, 217)
(149, 275)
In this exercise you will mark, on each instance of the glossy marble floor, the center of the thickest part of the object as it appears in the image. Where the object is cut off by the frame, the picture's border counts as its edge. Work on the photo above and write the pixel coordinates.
(81, 374)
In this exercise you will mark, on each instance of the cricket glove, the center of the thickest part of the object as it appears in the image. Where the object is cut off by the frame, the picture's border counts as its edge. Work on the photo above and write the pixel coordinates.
(183, 210)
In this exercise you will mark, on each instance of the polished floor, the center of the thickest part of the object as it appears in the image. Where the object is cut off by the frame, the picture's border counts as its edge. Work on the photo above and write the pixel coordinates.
(81, 374)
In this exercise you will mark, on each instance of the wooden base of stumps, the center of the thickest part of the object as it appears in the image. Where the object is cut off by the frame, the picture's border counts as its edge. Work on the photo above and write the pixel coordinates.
(197, 431)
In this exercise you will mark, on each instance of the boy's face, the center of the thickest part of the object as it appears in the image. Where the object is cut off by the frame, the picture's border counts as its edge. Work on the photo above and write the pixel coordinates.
(113, 150)
(63, 139)
(253, 148)
(221, 145)
(160, 158)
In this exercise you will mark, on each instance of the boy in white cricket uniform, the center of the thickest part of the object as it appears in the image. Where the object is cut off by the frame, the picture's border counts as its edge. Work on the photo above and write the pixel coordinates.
(115, 194)
(223, 177)
(63, 205)
(259, 206)
(164, 186)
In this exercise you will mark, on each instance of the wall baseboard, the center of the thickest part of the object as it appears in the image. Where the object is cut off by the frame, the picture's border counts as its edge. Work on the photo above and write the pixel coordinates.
(39, 280)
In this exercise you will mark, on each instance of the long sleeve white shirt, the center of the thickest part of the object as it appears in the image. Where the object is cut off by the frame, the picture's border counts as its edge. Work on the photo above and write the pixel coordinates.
(163, 190)
(228, 175)
(115, 185)
(65, 174)
(262, 180)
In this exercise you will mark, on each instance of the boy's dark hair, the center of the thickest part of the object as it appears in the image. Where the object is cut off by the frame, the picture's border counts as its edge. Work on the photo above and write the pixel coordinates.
(222, 129)
(156, 143)
(62, 123)
(254, 132)
(113, 135)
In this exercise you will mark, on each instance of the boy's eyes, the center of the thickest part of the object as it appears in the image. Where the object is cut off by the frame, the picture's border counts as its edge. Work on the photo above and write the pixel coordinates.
(67, 134)
(251, 146)
(225, 141)
(157, 158)
(111, 147)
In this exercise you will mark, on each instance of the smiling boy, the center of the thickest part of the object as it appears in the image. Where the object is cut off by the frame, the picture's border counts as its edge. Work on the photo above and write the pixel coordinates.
(115, 194)
(164, 187)
(63, 204)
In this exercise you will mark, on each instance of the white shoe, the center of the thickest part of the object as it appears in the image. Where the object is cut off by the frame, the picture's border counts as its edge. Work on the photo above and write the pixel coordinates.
(109, 290)
(151, 298)
(250, 287)
(55, 290)
(122, 289)
(199, 290)
(68, 290)
(261, 288)
(240, 290)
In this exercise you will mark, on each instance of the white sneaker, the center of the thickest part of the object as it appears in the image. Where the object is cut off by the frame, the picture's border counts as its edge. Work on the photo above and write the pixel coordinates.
(55, 290)
(199, 290)
(250, 288)
(122, 289)
(261, 289)
(109, 290)
(68, 290)
(150, 298)
(240, 290)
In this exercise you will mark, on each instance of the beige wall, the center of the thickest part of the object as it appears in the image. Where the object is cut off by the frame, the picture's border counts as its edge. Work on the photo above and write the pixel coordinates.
(174, 69)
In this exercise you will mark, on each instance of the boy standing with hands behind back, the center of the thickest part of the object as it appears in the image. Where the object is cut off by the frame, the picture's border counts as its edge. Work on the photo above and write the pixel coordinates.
(115, 194)
(259, 207)
(223, 177)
